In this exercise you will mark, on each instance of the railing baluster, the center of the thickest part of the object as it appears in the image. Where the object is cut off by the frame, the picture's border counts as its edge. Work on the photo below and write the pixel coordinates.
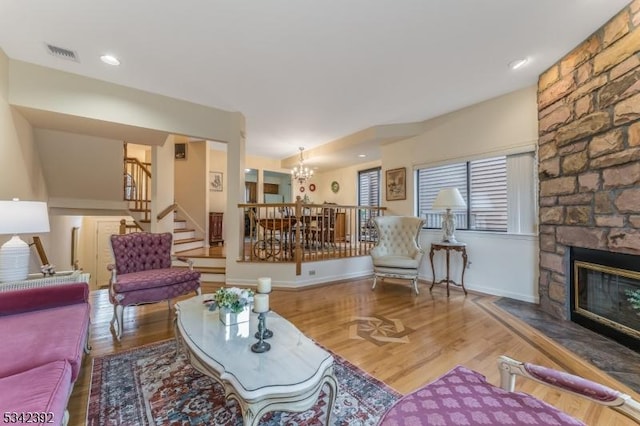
(298, 232)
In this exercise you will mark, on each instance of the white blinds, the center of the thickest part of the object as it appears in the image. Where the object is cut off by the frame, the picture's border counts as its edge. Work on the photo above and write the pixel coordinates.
(483, 185)
(430, 181)
(488, 179)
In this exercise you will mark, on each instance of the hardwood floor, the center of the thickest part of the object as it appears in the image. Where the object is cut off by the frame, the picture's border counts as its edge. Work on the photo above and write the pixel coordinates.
(401, 339)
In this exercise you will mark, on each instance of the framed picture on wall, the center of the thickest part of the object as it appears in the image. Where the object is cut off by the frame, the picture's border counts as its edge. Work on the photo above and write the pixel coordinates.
(180, 151)
(215, 181)
(396, 181)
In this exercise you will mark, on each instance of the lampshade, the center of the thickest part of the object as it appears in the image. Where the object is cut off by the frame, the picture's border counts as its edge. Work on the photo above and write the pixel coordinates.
(449, 198)
(19, 217)
(23, 217)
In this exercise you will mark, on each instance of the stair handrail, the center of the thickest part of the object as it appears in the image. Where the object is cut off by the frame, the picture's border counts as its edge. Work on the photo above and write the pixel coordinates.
(166, 211)
(127, 228)
(190, 219)
(137, 185)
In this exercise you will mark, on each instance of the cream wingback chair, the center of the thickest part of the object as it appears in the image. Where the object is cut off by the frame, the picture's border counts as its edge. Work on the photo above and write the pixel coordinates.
(397, 253)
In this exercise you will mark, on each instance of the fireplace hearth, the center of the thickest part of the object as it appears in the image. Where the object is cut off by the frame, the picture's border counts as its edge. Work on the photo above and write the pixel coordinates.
(603, 286)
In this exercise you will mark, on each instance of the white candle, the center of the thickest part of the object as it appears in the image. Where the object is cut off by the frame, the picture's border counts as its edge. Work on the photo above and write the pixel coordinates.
(264, 285)
(261, 303)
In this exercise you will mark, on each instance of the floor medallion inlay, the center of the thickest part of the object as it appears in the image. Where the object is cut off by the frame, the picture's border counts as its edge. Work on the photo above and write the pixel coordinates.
(379, 330)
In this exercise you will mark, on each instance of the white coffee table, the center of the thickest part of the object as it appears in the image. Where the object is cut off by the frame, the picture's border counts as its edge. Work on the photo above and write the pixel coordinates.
(289, 377)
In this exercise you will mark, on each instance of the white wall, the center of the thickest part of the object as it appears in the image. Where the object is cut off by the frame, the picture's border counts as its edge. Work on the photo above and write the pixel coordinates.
(502, 264)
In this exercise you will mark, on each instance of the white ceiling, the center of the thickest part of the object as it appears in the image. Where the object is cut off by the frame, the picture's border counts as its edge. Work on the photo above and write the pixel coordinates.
(307, 72)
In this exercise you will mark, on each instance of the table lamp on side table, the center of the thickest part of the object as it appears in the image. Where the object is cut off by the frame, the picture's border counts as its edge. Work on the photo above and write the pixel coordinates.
(449, 199)
(19, 217)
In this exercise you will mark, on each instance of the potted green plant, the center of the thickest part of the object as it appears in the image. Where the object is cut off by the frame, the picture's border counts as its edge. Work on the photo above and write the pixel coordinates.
(233, 303)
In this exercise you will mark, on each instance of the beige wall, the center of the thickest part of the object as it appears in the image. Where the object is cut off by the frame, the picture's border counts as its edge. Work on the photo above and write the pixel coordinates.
(38, 91)
(162, 184)
(218, 163)
(20, 168)
(191, 183)
(70, 169)
(346, 177)
(502, 125)
(43, 88)
(19, 162)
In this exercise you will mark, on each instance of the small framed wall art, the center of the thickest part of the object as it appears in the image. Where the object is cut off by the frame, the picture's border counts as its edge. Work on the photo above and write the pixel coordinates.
(180, 150)
(215, 181)
(396, 181)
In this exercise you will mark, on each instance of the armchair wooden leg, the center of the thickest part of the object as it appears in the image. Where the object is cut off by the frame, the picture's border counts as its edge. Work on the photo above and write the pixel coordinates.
(116, 321)
(198, 291)
(375, 281)
(415, 285)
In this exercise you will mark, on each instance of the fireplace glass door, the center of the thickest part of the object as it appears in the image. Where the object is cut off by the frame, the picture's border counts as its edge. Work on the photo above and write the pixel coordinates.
(608, 296)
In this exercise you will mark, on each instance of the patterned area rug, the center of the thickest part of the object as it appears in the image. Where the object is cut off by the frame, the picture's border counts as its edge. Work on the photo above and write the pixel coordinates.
(153, 386)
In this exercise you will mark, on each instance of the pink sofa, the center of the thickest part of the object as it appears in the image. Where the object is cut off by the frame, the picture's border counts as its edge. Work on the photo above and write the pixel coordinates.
(44, 334)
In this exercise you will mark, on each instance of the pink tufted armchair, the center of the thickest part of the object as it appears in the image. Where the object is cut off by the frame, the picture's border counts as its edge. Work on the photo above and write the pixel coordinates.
(142, 273)
(464, 397)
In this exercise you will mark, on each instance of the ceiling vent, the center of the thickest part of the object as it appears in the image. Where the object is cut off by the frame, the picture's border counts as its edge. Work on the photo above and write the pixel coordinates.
(62, 53)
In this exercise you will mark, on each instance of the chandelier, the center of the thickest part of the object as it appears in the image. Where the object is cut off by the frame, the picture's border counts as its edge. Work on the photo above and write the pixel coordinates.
(300, 172)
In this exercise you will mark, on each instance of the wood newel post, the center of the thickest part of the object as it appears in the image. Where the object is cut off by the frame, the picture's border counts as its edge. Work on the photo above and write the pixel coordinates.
(123, 227)
(299, 223)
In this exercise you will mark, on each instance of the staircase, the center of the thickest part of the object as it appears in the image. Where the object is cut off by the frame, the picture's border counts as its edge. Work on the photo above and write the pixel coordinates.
(184, 238)
(186, 242)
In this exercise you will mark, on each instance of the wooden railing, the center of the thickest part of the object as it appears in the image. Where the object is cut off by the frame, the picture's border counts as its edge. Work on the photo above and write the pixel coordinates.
(298, 232)
(137, 186)
(129, 227)
(166, 211)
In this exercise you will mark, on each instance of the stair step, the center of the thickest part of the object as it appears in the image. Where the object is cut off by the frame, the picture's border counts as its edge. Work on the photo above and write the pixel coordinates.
(206, 269)
(188, 244)
(183, 230)
(140, 210)
(188, 240)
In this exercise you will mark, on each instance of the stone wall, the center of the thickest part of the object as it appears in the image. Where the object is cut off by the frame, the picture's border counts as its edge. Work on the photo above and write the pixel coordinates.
(589, 152)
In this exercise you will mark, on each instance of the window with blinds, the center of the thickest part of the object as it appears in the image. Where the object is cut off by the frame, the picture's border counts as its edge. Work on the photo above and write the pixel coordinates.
(369, 187)
(368, 195)
(482, 184)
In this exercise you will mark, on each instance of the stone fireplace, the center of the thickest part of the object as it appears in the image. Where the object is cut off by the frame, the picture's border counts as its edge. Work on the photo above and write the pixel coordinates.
(589, 156)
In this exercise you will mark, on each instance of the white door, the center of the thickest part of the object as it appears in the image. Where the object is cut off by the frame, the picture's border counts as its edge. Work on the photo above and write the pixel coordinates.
(104, 230)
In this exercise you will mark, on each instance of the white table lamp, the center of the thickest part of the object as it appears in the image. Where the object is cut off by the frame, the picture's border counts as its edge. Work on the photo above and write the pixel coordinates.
(449, 199)
(19, 217)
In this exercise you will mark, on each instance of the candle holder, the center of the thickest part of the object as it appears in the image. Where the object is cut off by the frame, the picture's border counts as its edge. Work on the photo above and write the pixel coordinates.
(261, 346)
(267, 334)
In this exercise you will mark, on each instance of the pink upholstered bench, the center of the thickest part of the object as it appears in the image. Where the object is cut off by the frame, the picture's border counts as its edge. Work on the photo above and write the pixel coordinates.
(42, 391)
(464, 397)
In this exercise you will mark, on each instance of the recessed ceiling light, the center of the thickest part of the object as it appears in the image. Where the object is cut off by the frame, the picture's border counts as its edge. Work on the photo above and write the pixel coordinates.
(362, 155)
(110, 60)
(518, 63)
